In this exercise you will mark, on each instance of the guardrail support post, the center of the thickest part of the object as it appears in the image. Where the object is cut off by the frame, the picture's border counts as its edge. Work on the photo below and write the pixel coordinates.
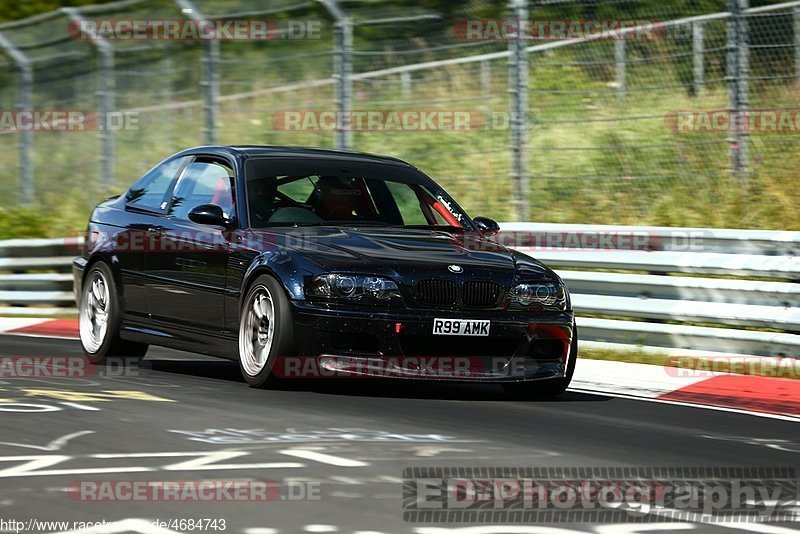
(343, 70)
(23, 103)
(105, 98)
(210, 81)
(698, 57)
(518, 87)
(738, 86)
(619, 60)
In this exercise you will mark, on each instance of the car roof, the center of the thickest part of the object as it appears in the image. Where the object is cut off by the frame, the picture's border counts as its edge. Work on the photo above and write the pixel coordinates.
(248, 151)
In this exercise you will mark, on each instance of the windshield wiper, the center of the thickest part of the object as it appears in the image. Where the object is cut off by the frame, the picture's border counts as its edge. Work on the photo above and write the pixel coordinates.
(290, 224)
(441, 227)
(382, 224)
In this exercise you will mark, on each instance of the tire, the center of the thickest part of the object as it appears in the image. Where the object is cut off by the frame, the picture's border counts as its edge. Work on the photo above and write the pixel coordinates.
(265, 331)
(546, 389)
(101, 318)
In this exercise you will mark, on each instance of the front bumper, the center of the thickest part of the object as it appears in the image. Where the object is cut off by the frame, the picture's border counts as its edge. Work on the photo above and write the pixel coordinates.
(363, 341)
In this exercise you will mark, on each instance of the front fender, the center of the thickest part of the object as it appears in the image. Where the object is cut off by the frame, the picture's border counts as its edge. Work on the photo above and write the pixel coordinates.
(281, 265)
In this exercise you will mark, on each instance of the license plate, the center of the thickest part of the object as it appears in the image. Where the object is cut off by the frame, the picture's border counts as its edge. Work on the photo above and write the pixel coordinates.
(460, 327)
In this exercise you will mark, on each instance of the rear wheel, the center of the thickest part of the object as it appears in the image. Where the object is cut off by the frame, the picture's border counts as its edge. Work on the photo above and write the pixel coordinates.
(265, 331)
(544, 389)
(101, 318)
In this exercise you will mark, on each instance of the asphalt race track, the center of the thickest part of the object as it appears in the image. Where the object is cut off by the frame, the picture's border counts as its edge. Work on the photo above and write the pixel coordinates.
(345, 443)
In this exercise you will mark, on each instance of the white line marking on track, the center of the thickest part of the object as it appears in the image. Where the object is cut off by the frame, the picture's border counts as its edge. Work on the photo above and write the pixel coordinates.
(728, 522)
(497, 529)
(323, 458)
(792, 418)
(321, 528)
(83, 407)
(625, 528)
(54, 445)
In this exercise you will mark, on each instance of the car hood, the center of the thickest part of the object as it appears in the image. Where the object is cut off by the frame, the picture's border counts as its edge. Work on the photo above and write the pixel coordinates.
(402, 250)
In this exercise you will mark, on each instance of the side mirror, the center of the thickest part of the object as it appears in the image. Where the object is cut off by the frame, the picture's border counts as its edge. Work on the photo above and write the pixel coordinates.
(208, 214)
(486, 226)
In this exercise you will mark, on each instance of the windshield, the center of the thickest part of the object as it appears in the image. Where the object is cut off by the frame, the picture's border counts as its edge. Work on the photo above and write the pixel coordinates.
(332, 192)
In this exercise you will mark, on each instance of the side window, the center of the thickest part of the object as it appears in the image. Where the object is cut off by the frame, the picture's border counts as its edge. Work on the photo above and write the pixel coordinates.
(149, 191)
(298, 190)
(407, 204)
(204, 182)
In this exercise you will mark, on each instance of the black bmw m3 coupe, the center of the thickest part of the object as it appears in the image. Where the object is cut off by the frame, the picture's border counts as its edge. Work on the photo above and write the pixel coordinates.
(312, 263)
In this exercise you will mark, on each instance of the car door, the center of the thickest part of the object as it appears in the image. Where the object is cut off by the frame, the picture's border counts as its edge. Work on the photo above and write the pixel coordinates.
(187, 271)
(145, 206)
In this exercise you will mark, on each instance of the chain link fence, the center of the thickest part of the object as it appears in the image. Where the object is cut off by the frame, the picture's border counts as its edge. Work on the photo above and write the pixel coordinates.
(581, 111)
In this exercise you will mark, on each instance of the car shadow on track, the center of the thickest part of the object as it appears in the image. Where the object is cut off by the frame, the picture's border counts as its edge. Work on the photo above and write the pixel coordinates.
(360, 387)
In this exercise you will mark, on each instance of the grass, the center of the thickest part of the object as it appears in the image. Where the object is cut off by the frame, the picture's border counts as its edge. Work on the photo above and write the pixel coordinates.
(594, 156)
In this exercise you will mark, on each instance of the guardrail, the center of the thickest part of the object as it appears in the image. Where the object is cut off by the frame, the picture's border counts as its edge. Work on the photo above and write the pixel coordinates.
(687, 290)
(682, 289)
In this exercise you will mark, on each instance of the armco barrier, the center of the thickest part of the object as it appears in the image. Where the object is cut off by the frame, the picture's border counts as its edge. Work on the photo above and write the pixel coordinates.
(683, 289)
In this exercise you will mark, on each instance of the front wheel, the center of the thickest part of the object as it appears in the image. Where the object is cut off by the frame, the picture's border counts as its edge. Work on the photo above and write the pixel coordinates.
(265, 331)
(550, 388)
(101, 318)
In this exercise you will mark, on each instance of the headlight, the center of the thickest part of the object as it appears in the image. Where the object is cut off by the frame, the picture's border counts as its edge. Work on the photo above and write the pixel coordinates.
(352, 287)
(548, 295)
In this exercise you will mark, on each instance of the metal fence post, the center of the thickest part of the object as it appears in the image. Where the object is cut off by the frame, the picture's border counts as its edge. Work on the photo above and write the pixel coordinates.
(405, 85)
(210, 81)
(619, 60)
(698, 56)
(796, 18)
(342, 75)
(211, 85)
(24, 103)
(105, 97)
(486, 78)
(518, 88)
(738, 86)
(166, 92)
